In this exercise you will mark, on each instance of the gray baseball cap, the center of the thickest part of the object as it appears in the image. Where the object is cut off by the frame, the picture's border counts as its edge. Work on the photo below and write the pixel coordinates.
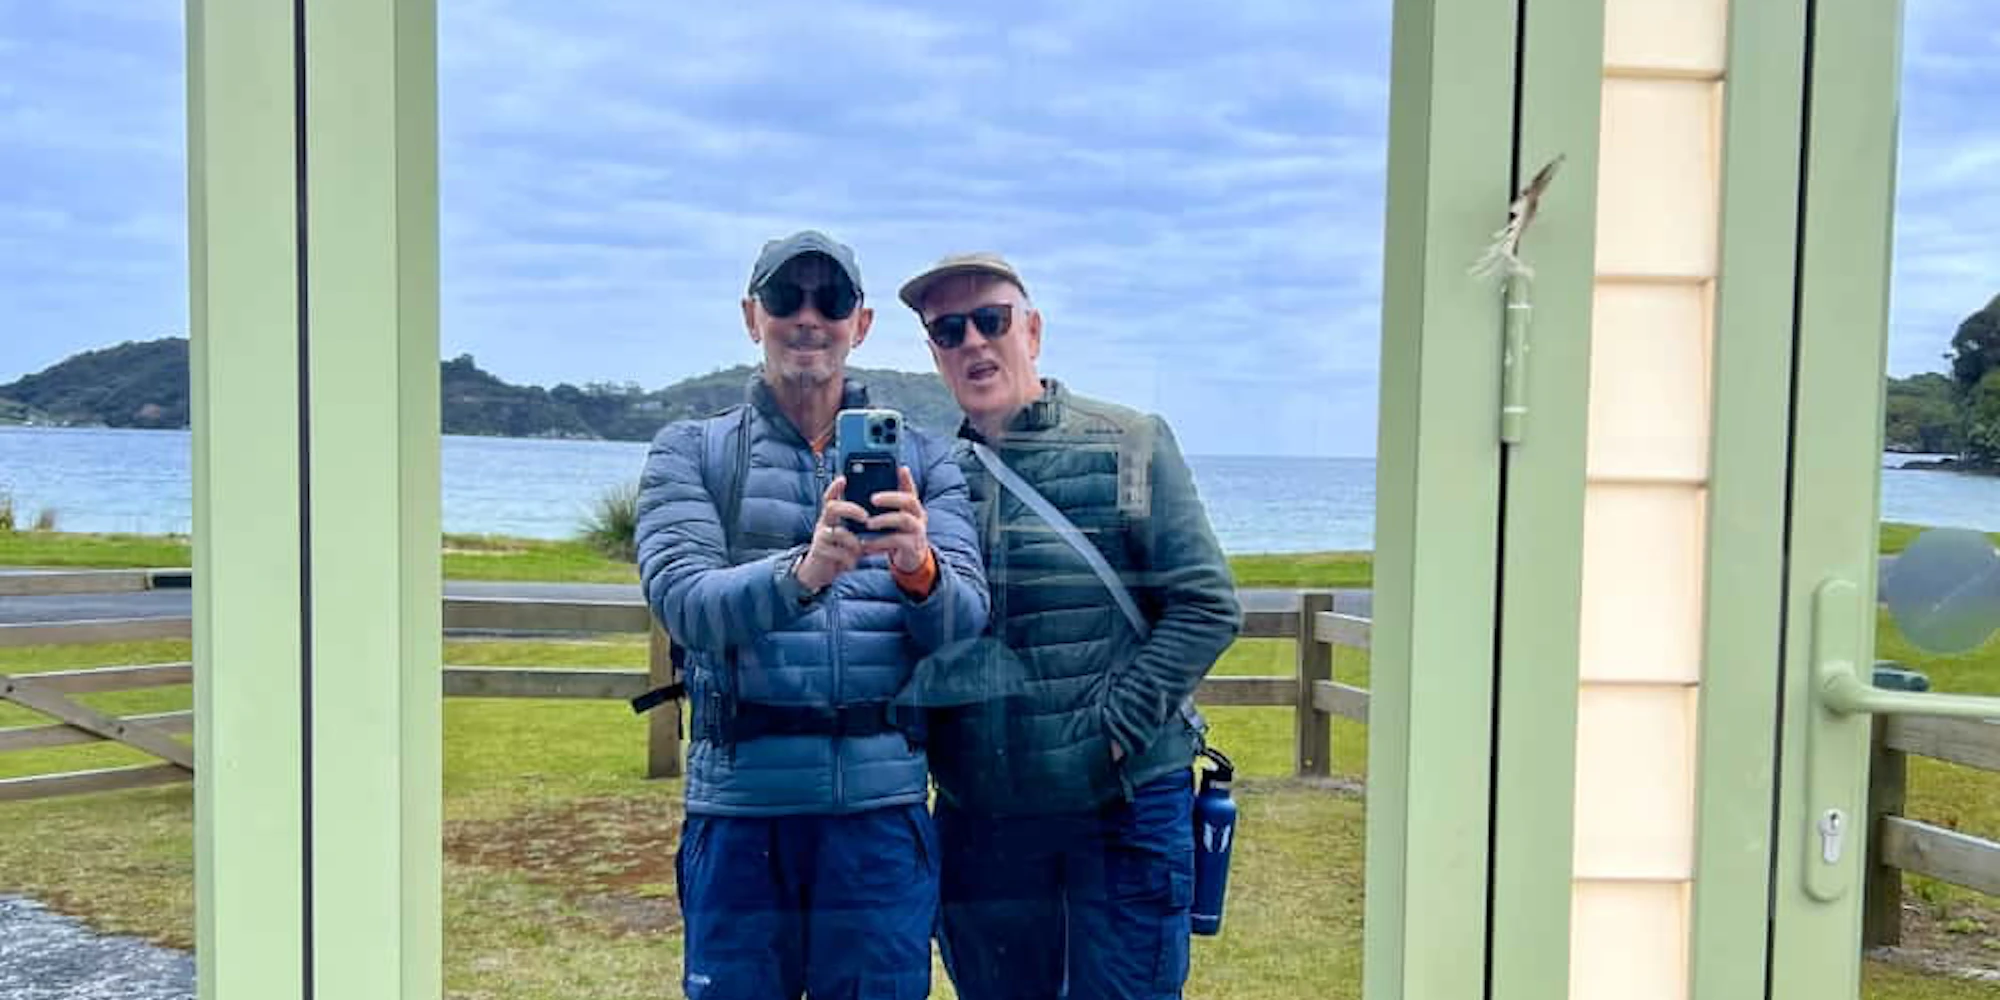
(777, 253)
(914, 290)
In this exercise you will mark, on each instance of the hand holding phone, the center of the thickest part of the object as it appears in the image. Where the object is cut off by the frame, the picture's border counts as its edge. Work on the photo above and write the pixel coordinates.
(834, 550)
(868, 444)
(902, 529)
(868, 448)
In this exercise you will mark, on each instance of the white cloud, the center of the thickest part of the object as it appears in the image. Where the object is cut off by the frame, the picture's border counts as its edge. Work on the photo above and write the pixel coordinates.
(1947, 263)
(1195, 191)
(1181, 188)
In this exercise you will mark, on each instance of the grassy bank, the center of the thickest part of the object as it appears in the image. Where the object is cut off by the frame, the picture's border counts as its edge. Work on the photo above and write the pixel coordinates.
(494, 557)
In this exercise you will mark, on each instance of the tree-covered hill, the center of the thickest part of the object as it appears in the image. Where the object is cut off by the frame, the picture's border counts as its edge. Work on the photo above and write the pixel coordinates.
(145, 384)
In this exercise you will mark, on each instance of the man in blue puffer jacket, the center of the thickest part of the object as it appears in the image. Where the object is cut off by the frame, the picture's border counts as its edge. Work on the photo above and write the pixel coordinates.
(807, 864)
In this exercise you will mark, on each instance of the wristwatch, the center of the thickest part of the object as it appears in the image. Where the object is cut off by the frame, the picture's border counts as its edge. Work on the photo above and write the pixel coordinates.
(789, 584)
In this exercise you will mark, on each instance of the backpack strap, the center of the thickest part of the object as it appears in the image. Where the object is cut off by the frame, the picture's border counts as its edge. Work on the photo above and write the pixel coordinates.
(715, 462)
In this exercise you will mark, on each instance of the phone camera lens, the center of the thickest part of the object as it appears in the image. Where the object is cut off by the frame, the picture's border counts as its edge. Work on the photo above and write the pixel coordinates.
(889, 424)
(889, 438)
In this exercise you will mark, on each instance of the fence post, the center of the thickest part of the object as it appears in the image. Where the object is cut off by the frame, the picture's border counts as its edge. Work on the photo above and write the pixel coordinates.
(663, 735)
(1882, 896)
(1314, 735)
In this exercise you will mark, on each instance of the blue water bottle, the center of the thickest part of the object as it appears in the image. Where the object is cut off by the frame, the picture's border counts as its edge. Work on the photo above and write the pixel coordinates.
(1214, 835)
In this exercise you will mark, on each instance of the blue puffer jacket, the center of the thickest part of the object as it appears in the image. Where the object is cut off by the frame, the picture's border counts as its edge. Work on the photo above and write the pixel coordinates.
(749, 635)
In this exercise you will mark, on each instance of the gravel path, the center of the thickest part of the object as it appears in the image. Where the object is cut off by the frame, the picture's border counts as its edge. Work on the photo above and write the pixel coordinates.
(48, 956)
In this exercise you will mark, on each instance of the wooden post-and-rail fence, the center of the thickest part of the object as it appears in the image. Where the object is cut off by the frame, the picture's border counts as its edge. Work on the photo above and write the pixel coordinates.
(1311, 690)
(1898, 844)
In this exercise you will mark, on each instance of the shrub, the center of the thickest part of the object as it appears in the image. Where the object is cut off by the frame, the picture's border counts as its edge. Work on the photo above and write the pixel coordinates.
(612, 527)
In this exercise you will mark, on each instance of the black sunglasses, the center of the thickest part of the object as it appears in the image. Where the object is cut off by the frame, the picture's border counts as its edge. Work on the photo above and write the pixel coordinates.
(948, 331)
(835, 300)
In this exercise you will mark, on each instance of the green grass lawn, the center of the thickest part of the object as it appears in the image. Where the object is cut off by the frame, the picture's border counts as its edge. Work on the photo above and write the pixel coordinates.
(1951, 795)
(63, 548)
(1314, 570)
(559, 877)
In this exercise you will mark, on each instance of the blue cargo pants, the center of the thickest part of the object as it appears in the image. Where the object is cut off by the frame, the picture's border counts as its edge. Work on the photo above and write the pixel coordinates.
(827, 907)
(1089, 906)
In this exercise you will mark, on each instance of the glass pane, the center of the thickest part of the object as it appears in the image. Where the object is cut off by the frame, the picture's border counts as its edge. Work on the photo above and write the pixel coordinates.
(1169, 184)
(1940, 498)
(96, 839)
(1193, 203)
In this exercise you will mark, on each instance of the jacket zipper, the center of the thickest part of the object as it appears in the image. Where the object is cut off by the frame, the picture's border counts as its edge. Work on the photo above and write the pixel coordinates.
(996, 581)
(996, 544)
(821, 480)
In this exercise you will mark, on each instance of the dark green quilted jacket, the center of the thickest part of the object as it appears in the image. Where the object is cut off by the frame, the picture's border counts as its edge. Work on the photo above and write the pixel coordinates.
(1085, 680)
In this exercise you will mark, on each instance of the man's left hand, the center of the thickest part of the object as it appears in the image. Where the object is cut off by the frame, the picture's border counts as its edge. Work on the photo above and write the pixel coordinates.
(905, 528)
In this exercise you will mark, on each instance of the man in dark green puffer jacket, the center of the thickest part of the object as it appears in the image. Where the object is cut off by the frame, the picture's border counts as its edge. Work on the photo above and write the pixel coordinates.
(1064, 809)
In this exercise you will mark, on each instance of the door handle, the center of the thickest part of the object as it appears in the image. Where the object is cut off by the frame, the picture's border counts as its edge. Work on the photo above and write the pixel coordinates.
(1837, 735)
(1837, 682)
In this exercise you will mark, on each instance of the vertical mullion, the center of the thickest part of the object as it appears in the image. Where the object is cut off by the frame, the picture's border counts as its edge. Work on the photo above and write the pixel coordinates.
(1542, 570)
(419, 464)
(1841, 340)
(249, 751)
(1430, 712)
(371, 146)
(1743, 614)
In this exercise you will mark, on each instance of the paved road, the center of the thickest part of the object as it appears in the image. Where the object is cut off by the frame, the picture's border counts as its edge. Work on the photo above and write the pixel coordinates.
(179, 603)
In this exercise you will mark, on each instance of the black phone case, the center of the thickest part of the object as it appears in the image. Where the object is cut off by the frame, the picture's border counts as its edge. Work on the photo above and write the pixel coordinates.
(868, 474)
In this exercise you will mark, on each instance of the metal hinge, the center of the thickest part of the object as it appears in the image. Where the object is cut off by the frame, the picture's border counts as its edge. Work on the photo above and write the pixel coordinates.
(1503, 257)
(1514, 361)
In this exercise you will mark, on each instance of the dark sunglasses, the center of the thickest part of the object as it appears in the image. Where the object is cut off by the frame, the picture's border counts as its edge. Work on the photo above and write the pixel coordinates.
(835, 300)
(948, 331)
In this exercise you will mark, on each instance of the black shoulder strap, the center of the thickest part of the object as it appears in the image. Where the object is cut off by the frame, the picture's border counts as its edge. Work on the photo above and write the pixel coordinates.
(714, 442)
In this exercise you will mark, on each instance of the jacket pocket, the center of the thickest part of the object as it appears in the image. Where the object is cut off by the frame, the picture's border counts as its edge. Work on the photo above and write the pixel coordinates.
(1149, 874)
(923, 835)
(687, 854)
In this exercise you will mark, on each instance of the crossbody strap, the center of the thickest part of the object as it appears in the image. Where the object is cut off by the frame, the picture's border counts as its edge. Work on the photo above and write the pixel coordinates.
(1069, 533)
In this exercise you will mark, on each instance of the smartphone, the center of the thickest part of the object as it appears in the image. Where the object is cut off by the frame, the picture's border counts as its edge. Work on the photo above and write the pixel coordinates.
(868, 450)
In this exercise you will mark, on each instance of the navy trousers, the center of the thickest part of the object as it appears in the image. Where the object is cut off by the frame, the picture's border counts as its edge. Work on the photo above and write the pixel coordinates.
(826, 907)
(1088, 906)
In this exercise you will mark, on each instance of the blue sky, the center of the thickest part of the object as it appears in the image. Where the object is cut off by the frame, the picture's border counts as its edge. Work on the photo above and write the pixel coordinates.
(1195, 196)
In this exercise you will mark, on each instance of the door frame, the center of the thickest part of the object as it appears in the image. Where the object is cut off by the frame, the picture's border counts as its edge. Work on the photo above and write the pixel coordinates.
(312, 176)
(1736, 776)
(1853, 60)
(1438, 494)
(313, 238)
